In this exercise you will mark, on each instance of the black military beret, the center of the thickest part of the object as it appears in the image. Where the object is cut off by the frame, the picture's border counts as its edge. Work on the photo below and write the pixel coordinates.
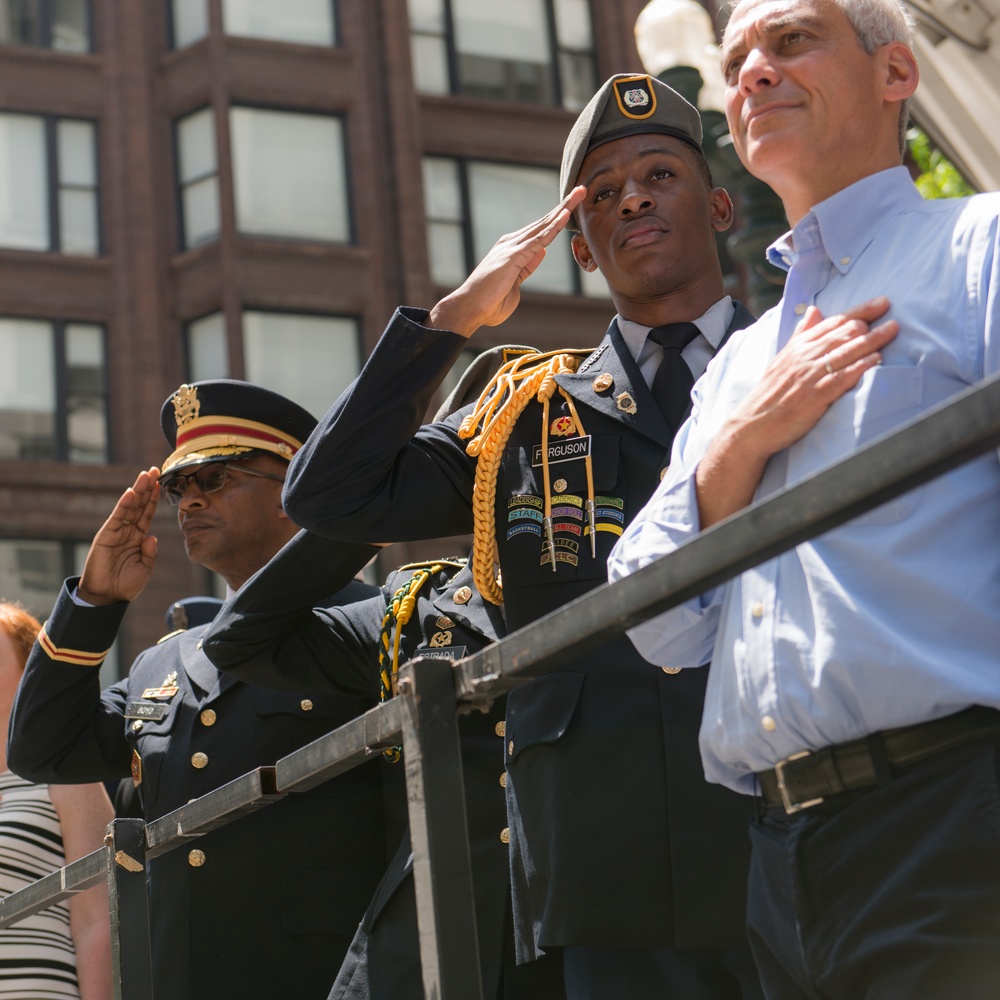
(627, 104)
(221, 418)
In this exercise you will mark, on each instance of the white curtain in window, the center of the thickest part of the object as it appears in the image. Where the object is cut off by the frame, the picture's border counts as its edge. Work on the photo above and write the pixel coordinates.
(24, 210)
(514, 30)
(289, 174)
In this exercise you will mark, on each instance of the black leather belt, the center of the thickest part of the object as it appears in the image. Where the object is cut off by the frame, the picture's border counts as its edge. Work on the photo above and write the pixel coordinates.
(806, 779)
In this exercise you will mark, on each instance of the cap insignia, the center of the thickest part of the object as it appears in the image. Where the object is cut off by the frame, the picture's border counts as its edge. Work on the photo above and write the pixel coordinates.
(636, 97)
(186, 405)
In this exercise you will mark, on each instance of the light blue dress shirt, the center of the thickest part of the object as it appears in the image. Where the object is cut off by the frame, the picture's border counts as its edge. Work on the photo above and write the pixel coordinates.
(893, 618)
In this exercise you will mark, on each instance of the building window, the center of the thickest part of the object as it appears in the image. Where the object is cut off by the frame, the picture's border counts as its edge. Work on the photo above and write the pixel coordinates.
(470, 204)
(48, 184)
(63, 25)
(198, 175)
(533, 51)
(309, 22)
(289, 174)
(308, 358)
(188, 21)
(53, 392)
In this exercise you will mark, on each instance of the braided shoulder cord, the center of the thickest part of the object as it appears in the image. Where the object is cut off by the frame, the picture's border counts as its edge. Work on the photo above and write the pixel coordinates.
(497, 410)
(398, 612)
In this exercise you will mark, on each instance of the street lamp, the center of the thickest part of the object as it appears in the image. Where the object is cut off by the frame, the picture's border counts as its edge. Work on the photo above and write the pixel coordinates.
(676, 42)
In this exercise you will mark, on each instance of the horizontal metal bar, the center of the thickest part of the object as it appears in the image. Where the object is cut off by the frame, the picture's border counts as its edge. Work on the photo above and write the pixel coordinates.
(954, 432)
(346, 747)
(245, 794)
(90, 870)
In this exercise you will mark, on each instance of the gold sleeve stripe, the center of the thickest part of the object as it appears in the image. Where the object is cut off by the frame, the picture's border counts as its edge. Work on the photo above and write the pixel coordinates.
(77, 656)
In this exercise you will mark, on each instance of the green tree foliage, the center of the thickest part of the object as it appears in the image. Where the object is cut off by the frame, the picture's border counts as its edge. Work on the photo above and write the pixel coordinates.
(938, 176)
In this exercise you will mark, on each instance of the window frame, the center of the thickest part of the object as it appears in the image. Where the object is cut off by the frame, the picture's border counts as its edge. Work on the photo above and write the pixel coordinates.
(50, 129)
(556, 50)
(468, 236)
(60, 390)
(180, 186)
(45, 23)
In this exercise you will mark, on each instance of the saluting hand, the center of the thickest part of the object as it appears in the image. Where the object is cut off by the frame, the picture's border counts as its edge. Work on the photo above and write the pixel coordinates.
(491, 293)
(121, 557)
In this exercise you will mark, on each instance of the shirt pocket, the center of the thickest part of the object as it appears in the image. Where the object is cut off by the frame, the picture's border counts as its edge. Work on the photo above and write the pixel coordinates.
(520, 512)
(885, 397)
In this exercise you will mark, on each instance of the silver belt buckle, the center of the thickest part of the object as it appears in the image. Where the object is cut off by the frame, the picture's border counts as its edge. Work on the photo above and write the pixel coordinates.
(779, 770)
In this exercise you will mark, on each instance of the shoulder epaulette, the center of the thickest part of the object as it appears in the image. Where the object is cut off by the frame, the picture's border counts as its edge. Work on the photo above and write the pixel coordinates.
(170, 635)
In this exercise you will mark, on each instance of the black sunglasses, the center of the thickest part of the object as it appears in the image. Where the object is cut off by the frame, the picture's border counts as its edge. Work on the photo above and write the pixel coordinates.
(208, 479)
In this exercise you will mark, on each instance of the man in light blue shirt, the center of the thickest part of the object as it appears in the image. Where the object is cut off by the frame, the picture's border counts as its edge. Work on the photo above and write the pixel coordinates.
(876, 868)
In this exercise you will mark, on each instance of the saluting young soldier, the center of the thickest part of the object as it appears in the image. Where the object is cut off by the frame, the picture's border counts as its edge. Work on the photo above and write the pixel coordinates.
(621, 854)
(271, 633)
(275, 897)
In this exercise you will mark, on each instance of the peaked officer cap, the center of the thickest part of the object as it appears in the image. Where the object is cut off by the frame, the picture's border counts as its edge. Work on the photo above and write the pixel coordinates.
(627, 104)
(221, 418)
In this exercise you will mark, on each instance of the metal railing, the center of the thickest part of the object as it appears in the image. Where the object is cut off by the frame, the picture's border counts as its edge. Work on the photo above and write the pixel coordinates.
(433, 692)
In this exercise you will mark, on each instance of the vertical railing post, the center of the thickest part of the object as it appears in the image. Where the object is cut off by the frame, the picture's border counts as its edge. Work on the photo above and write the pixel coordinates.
(442, 872)
(128, 899)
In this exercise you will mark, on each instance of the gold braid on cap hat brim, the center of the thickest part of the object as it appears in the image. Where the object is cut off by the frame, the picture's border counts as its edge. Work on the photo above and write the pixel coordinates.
(496, 411)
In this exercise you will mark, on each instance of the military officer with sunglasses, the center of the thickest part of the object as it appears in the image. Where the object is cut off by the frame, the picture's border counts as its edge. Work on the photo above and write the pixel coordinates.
(260, 888)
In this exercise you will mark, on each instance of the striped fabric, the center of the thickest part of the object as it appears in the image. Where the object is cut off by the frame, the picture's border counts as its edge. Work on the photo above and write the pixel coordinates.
(37, 960)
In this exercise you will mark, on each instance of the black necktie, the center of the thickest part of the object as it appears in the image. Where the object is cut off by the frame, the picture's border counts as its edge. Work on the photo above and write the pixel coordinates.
(673, 380)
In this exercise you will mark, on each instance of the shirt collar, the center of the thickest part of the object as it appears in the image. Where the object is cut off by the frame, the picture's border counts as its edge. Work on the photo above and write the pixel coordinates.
(845, 223)
(712, 324)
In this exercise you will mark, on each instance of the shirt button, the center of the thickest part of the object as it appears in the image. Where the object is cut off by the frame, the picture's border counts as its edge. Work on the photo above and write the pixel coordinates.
(500, 729)
(208, 717)
(306, 705)
(503, 780)
(757, 610)
(196, 858)
(505, 835)
(845, 261)
(199, 760)
(671, 670)
(800, 309)
(769, 724)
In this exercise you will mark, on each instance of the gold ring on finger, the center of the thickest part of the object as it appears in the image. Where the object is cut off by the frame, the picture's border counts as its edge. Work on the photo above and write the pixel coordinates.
(826, 364)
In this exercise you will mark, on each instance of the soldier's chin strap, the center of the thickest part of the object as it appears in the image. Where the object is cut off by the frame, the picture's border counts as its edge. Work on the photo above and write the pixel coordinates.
(499, 406)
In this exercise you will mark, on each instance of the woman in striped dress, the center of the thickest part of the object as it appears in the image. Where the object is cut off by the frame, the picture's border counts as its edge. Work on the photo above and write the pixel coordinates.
(64, 951)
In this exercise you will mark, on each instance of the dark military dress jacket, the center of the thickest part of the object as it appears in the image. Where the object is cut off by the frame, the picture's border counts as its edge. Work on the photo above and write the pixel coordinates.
(616, 838)
(270, 633)
(270, 900)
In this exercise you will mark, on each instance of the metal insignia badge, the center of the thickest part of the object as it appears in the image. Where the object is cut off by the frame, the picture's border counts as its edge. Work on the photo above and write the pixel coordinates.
(603, 382)
(562, 427)
(626, 403)
(136, 768)
(444, 622)
(635, 98)
(186, 405)
(439, 639)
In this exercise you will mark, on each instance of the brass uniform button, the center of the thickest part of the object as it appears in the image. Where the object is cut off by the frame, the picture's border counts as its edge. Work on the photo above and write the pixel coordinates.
(503, 780)
(208, 717)
(199, 760)
(306, 705)
(663, 473)
(769, 724)
(603, 382)
(757, 610)
(559, 485)
(196, 858)
(463, 595)
(671, 670)
(505, 835)
(137, 725)
(500, 729)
